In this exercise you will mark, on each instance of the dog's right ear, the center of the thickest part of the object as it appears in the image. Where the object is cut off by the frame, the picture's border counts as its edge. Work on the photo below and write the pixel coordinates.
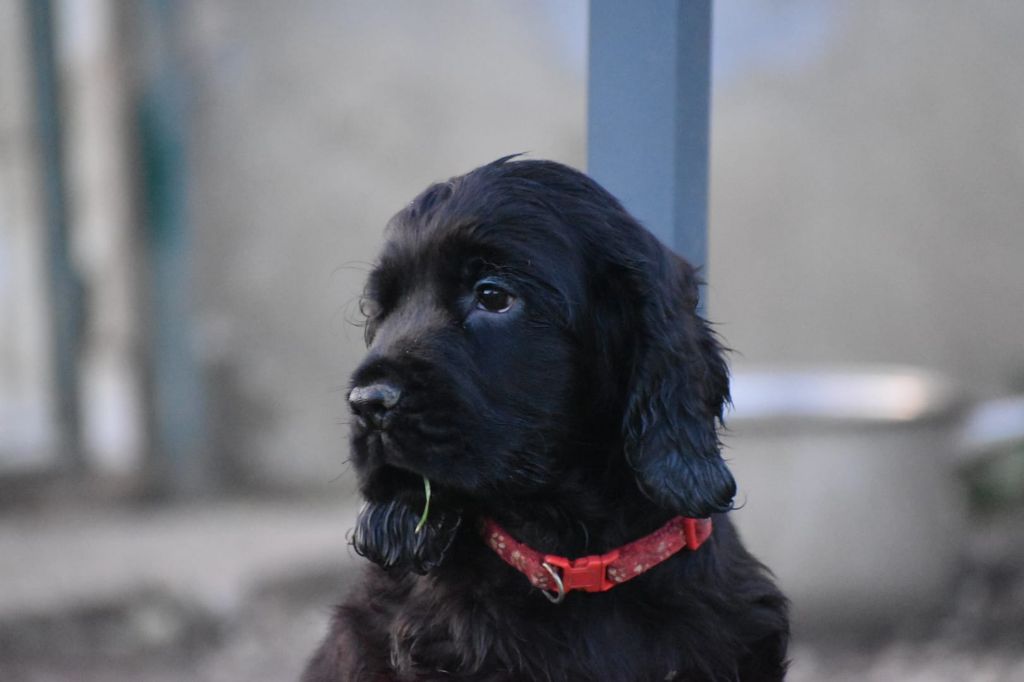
(678, 387)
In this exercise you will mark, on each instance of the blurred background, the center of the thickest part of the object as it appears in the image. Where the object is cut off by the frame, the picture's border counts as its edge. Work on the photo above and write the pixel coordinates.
(191, 194)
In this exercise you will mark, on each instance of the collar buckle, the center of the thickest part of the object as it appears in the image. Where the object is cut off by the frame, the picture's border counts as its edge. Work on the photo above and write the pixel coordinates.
(589, 573)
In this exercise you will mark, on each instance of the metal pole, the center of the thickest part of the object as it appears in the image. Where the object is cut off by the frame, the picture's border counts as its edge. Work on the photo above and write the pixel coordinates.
(648, 113)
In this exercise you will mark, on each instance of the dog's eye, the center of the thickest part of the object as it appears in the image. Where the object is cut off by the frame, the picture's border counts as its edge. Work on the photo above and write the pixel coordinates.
(493, 299)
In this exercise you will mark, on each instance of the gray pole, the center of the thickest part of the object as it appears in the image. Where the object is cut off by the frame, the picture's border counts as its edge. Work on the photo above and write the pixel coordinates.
(648, 111)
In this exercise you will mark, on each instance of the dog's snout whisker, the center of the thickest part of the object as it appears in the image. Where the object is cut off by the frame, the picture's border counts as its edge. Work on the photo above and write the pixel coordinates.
(374, 402)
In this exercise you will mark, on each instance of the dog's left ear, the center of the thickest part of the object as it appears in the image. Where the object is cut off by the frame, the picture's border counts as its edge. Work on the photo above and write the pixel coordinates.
(678, 388)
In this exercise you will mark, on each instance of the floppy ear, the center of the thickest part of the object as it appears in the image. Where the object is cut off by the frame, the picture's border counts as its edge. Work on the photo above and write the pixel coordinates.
(678, 388)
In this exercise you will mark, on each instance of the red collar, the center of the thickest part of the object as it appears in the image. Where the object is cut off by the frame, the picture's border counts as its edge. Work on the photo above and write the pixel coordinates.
(597, 572)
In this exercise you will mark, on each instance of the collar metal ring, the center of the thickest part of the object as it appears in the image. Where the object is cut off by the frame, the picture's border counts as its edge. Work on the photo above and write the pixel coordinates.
(554, 597)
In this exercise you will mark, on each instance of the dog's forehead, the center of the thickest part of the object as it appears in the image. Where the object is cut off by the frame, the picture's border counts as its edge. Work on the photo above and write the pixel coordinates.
(531, 243)
(536, 234)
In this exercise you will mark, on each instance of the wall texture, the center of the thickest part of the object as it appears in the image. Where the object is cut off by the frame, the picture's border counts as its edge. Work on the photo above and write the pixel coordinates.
(314, 123)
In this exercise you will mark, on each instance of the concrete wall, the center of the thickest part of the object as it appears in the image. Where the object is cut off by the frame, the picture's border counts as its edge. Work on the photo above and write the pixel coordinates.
(867, 203)
(864, 199)
(314, 123)
(865, 192)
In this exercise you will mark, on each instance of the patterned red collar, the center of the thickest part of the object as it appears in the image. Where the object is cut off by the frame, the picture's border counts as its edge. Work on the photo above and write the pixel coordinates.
(599, 572)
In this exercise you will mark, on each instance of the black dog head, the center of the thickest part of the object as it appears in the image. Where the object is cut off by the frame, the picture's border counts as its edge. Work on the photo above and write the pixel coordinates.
(525, 335)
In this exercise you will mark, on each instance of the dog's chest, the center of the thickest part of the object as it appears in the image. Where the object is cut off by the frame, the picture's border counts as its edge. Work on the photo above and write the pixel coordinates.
(428, 638)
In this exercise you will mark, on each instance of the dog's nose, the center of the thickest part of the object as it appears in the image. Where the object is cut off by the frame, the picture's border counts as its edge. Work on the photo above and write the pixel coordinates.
(374, 402)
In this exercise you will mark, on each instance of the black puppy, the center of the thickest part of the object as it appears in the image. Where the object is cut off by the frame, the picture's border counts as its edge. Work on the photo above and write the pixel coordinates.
(536, 356)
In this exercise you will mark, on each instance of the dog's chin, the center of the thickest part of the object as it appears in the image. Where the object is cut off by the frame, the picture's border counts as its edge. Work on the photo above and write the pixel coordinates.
(389, 531)
(386, 533)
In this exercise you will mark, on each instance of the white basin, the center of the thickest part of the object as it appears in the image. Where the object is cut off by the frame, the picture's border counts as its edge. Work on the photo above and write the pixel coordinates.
(848, 489)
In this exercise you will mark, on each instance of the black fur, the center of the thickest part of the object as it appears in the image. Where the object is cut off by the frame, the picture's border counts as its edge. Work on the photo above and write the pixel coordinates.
(581, 418)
